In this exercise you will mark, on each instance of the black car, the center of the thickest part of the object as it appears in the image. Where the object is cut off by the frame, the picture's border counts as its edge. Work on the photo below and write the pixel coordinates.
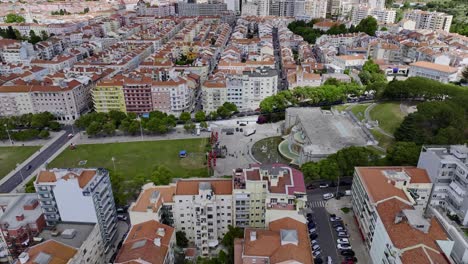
(311, 225)
(337, 224)
(318, 260)
(313, 236)
(347, 253)
(28, 167)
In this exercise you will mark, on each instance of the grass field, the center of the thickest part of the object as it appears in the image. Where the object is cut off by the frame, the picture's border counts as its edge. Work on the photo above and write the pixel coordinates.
(358, 110)
(384, 141)
(10, 156)
(140, 158)
(340, 107)
(388, 115)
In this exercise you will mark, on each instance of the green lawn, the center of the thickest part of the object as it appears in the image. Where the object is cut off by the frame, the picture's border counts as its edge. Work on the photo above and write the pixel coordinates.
(140, 158)
(384, 141)
(358, 110)
(340, 107)
(388, 115)
(10, 156)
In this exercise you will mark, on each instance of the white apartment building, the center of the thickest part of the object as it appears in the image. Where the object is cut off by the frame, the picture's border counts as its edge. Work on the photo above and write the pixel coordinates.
(13, 51)
(265, 193)
(430, 20)
(309, 9)
(349, 61)
(388, 204)
(203, 210)
(65, 99)
(433, 71)
(214, 94)
(386, 16)
(80, 196)
(257, 85)
(448, 168)
(377, 4)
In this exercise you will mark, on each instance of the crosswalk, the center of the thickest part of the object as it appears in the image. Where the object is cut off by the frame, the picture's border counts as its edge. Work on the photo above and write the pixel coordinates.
(315, 204)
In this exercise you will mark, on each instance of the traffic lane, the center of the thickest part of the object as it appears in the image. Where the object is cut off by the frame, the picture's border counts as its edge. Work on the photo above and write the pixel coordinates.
(326, 236)
(38, 161)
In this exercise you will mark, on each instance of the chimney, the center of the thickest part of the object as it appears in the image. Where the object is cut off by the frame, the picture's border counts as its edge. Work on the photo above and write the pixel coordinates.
(20, 217)
(23, 257)
(161, 232)
(157, 242)
(253, 235)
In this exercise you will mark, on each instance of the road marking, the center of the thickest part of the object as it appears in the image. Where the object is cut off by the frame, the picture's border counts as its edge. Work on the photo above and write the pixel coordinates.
(315, 204)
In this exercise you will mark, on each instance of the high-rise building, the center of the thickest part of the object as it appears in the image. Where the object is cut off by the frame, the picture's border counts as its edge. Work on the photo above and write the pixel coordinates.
(430, 20)
(78, 195)
(448, 169)
(389, 205)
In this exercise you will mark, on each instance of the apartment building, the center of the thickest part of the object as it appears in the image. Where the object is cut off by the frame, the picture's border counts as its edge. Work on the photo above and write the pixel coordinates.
(265, 193)
(285, 240)
(200, 9)
(349, 61)
(85, 238)
(148, 242)
(386, 16)
(447, 167)
(14, 51)
(257, 85)
(430, 20)
(78, 195)
(108, 95)
(203, 210)
(388, 205)
(214, 94)
(433, 71)
(21, 220)
(49, 251)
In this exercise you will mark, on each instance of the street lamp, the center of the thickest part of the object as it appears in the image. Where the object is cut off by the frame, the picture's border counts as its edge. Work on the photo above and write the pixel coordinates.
(113, 162)
(141, 128)
(21, 172)
(8, 132)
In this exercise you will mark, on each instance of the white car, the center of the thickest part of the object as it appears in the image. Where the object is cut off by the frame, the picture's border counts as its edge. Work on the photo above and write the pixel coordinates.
(335, 219)
(314, 242)
(316, 248)
(316, 253)
(323, 185)
(343, 246)
(328, 196)
(342, 241)
(312, 230)
(340, 229)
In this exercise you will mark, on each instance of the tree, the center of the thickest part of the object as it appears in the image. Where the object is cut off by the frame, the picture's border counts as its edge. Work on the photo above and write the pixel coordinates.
(54, 125)
(86, 10)
(230, 107)
(33, 38)
(108, 128)
(403, 154)
(184, 117)
(465, 74)
(44, 134)
(228, 241)
(41, 120)
(200, 116)
(93, 129)
(117, 117)
(189, 126)
(14, 18)
(133, 127)
(204, 125)
(181, 239)
(368, 25)
(44, 35)
(161, 175)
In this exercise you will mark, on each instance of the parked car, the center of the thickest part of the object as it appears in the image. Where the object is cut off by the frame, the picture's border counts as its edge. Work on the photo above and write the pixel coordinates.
(340, 229)
(316, 247)
(342, 241)
(337, 224)
(311, 225)
(329, 260)
(312, 230)
(335, 218)
(347, 253)
(348, 192)
(328, 196)
(343, 234)
(310, 186)
(122, 217)
(309, 216)
(354, 259)
(318, 260)
(343, 246)
(242, 124)
(324, 185)
(313, 236)
(314, 242)
(316, 253)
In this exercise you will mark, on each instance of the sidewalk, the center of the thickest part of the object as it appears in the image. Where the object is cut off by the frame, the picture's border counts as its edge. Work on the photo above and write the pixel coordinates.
(334, 206)
(33, 156)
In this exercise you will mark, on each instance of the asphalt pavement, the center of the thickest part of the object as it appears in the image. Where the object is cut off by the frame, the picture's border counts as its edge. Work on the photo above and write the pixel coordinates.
(23, 173)
(326, 234)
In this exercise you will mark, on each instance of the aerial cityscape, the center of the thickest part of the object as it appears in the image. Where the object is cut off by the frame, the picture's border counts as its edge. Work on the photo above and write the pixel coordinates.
(234, 132)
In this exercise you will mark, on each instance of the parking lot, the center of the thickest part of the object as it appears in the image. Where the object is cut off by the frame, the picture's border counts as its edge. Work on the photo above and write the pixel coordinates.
(326, 236)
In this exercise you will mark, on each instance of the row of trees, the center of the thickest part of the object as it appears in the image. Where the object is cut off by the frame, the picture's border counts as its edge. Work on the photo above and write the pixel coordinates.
(343, 162)
(325, 94)
(28, 126)
(368, 25)
(10, 33)
(60, 12)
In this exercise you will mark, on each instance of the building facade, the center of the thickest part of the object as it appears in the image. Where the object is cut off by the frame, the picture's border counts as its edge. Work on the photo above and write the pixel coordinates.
(433, 71)
(108, 95)
(78, 195)
(430, 20)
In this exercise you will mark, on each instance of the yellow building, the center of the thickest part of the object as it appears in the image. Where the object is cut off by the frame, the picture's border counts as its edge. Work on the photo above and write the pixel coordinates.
(108, 95)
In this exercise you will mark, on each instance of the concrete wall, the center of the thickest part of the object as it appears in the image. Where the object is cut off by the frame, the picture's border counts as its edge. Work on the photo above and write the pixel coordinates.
(69, 193)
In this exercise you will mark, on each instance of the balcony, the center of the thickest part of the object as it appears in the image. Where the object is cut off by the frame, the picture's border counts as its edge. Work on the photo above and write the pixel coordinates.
(281, 206)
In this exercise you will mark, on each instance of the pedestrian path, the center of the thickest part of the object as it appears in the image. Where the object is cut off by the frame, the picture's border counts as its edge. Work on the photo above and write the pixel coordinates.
(315, 204)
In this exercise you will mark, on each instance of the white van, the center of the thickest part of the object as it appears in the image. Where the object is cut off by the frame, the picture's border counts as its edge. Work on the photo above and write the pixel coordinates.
(347, 192)
(198, 131)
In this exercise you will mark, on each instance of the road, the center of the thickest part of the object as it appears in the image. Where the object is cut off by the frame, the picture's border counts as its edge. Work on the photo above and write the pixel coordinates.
(37, 162)
(326, 234)
(282, 82)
